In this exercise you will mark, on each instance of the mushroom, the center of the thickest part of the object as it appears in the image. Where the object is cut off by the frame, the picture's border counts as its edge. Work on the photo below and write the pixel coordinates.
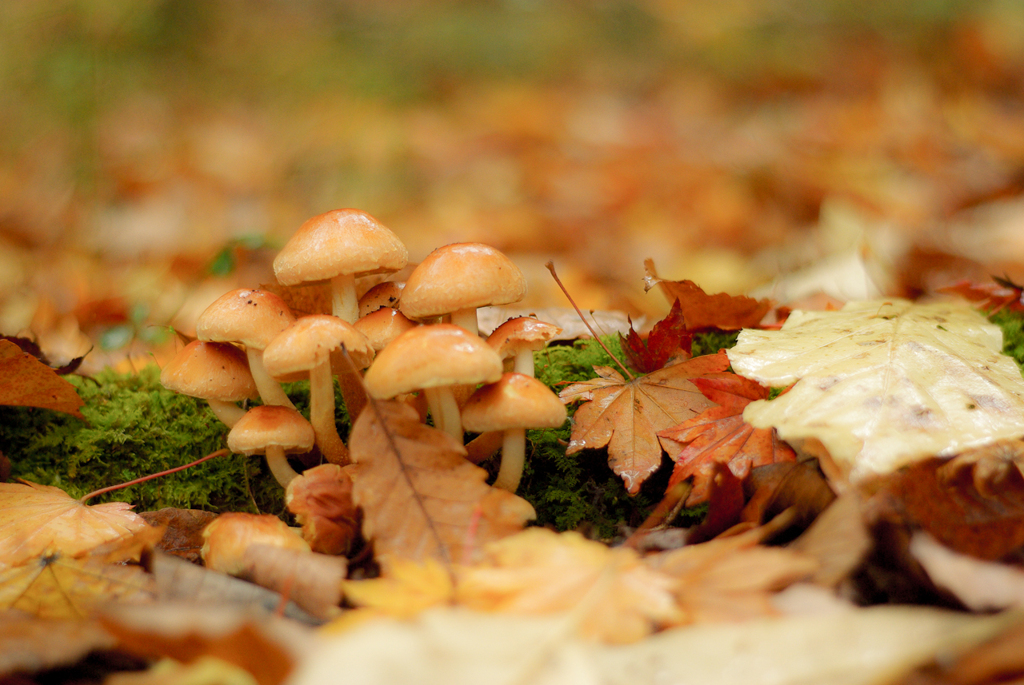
(275, 431)
(513, 404)
(384, 294)
(251, 317)
(338, 246)
(306, 347)
(519, 338)
(227, 537)
(433, 358)
(456, 279)
(382, 326)
(215, 372)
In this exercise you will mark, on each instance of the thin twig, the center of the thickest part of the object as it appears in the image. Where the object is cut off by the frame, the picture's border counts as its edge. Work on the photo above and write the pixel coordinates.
(101, 491)
(551, 267)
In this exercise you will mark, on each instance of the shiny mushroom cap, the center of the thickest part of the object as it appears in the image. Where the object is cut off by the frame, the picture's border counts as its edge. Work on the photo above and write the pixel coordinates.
(461, 276)
(430, 357)
(311, 341)
(386, 294)
(339, 242)
(521, 333)
(210, 371)
(515, 401)
(271, 425)
(383, 326)
(251, 317)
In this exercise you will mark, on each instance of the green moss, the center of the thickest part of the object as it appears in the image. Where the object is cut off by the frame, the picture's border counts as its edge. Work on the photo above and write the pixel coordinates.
(1012, 325)
(135, 427)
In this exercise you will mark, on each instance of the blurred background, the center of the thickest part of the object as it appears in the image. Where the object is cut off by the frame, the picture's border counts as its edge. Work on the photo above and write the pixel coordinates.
(156, 153)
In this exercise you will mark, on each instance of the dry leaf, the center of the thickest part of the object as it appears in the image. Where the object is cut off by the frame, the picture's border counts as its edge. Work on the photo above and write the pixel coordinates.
(700, 310)
(41, 518)
(407, 589)
(720, 435)
(980, 585)
(183, 530)
(28, 644)
(626, 415)
(27, 382)
(611, 594)
(312, 581)
(321, 500)
(420, 498)
(884, 383)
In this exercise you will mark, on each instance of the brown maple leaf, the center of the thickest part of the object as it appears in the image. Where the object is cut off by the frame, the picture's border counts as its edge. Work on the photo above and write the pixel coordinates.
(626, 415)
(27, 382)
(41, 518)
(700, 310)
(420, 498)
(720, 435)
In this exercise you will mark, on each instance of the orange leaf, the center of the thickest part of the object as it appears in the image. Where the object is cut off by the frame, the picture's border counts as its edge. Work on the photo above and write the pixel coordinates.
(421, 499)
(700, 310)
(41, 518)
(626, 415)
(27, 382)
(720, 435)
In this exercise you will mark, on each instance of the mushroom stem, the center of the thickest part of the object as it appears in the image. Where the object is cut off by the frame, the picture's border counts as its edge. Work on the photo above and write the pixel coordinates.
(524, 363)
(344, 303)
(513, 456)
(445, 411)
(228, 412)
(321, 414)
(353, 393)
(466, 318)
(270, 390)
(279, 466)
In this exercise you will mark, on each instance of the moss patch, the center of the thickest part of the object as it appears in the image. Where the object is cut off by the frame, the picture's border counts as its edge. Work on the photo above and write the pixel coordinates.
(1013, 334)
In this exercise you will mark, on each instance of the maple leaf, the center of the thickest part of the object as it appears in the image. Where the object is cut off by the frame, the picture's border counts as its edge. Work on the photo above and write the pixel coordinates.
(27, 382)
(720, 435)
(883, 383)
(420, 498)
(626, 415)
(700, 310)
(615, 596)
(668, 335)
(1003, 294)
(41, 518)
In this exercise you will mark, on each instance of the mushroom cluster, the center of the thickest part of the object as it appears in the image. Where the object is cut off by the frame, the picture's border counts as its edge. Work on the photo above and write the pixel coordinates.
(417, 340)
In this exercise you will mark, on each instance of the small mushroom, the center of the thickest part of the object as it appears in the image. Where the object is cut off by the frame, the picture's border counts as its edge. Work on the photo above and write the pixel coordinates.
(519, 338)
(215, 372)
(513, 404)
(250, 317)
(276, 432)
(306, 347)
(384, 294)
(228, 536)
(337, 246)
(433, 359)
(456, 279)
(382, 326)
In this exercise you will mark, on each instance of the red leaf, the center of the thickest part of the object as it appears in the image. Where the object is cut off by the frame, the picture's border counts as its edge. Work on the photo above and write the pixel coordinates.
(719, 435)
(668, 336)
(993, 296)
(27, 382)
(700, 310)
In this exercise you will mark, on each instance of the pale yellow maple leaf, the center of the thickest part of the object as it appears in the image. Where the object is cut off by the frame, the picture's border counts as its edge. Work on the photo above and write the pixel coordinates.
(408, 588)
(41, 518)
(884, 383)
(612, 594)
(420, 498)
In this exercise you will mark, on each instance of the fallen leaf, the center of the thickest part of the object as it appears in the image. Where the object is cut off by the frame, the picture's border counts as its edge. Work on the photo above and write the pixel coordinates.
(409, 588)
(321, 500)
(27, 382)
(28, 645)
(980, 585)
(700, 310)
(626, 415)
(41, 518)
(669, 336)
(720, 435)
(1003, 294)
(420, 498)
(884, 383)
(183, 530)
(312, 581)
(611, 594)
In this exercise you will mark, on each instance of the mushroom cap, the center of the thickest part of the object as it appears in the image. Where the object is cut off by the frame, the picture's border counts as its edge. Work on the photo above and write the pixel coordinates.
(383, 326)
(210, 371)
(342, 241)
(515, 401)
(311, 341)
(271, 425)
(251, 317)
(430, 357)
(384, 294)
(521, 333)
(461, 276)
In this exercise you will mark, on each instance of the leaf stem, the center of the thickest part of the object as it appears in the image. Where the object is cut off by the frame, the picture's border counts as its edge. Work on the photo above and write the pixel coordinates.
(551, 267)
(101, 491)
